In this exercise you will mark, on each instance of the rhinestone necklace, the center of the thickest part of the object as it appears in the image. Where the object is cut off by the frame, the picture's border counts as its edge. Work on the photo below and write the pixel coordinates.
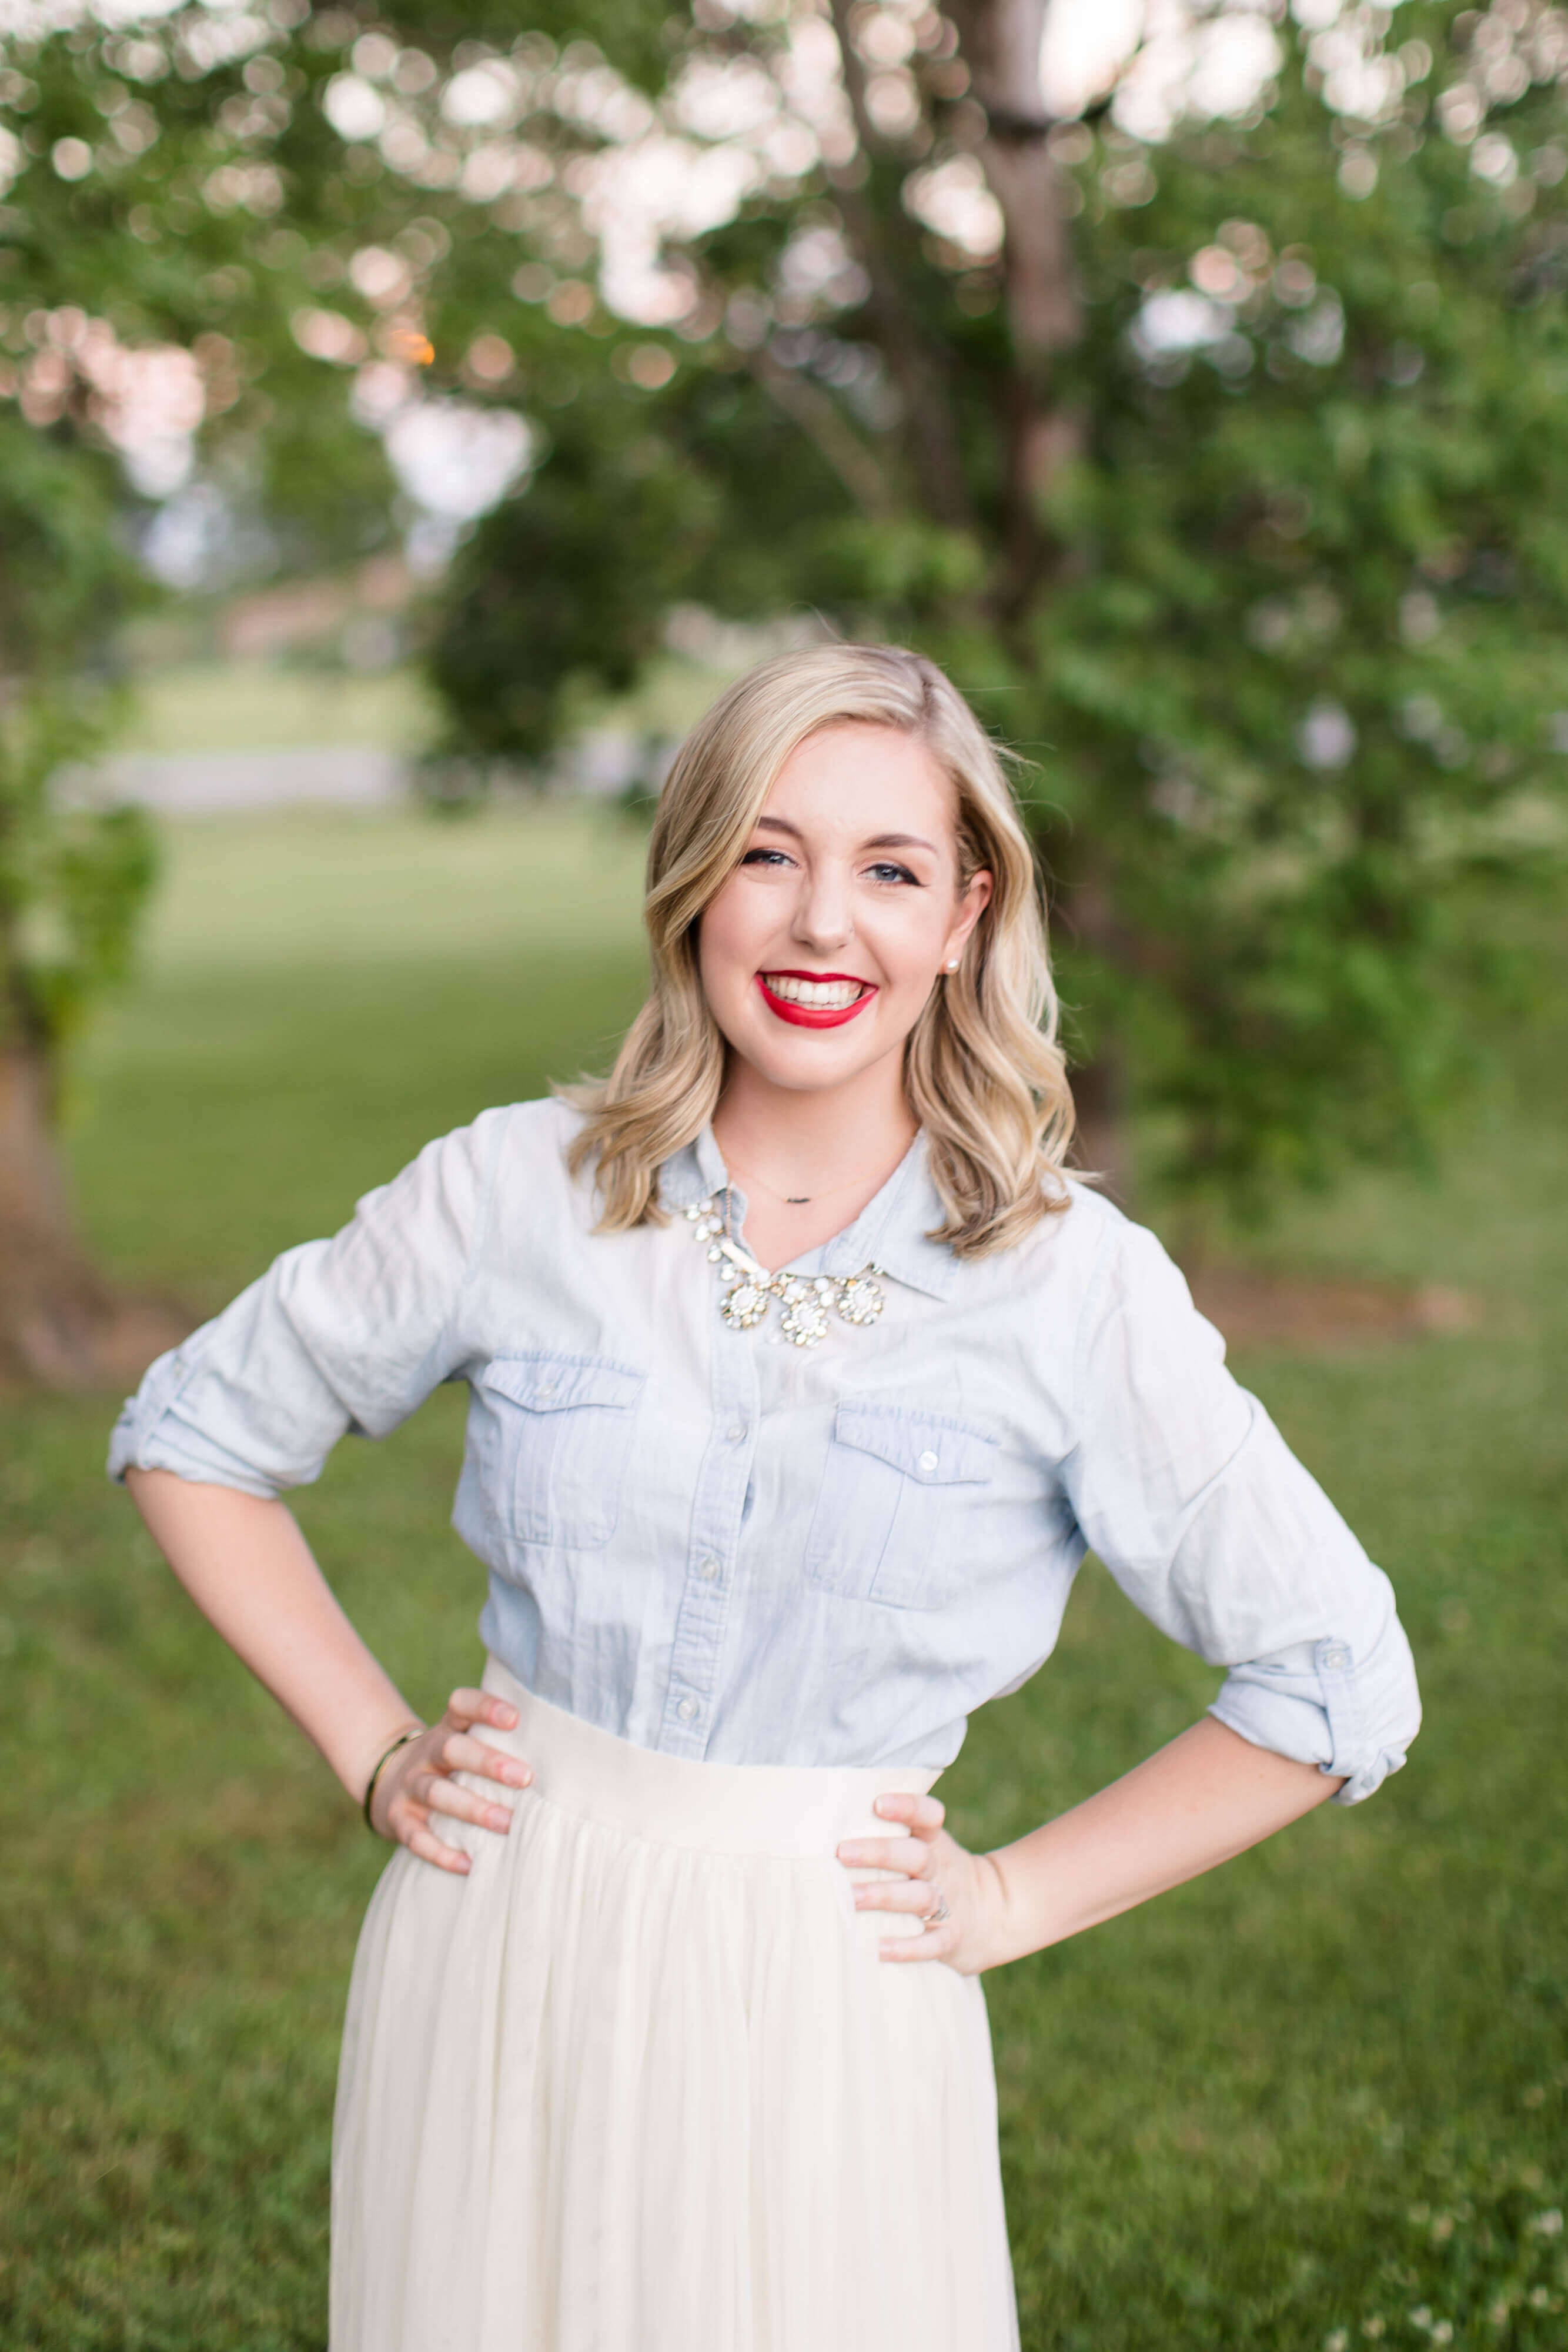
(808, 1300)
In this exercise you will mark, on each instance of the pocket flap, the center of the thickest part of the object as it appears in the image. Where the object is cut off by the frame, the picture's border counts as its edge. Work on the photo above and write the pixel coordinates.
(936, 1453)
(558, 1383)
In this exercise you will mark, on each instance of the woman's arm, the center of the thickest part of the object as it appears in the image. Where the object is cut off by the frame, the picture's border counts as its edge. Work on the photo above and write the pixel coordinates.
(1207, 1796)
(250, 1572)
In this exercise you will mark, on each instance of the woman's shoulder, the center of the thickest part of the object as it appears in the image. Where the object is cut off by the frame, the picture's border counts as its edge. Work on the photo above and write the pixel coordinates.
(1091, 1257)
(508, 1146)
(1082, 1229)
(538, 1131)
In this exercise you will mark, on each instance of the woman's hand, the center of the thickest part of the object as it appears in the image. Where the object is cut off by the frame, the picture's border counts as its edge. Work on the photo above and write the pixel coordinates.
(960, 1894)
(417, 1782)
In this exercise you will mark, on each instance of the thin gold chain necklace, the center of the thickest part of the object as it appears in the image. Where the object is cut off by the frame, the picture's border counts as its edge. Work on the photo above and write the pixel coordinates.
(799, 1200)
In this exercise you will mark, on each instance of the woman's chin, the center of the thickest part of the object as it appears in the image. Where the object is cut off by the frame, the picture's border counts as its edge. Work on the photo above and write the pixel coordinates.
(807, 1061)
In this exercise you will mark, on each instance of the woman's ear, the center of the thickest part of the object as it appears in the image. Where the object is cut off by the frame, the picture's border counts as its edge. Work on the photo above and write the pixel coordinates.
(973, 901)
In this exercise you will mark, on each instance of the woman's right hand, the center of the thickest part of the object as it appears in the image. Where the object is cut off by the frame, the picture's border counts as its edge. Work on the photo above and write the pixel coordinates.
(417, 1781)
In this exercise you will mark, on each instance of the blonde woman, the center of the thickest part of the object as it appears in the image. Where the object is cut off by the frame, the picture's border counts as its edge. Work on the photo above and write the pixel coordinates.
(802, 1377)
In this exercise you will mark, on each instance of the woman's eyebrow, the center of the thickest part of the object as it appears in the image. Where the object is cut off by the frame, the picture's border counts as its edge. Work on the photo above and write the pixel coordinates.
(877, 840)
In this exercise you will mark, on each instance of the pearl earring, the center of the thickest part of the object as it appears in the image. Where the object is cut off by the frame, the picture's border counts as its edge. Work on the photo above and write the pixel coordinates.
(953, 966)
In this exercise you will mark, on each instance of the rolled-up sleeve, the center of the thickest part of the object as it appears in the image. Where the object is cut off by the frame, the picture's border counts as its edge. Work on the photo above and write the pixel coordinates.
(1186, 1489)
(340, 1335)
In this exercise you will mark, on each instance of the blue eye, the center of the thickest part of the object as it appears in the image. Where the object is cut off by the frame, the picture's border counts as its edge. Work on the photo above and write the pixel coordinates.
(765, 858)
(887, 872)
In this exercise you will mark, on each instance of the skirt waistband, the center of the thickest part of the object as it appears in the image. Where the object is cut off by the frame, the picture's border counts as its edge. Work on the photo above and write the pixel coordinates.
(739, 1808)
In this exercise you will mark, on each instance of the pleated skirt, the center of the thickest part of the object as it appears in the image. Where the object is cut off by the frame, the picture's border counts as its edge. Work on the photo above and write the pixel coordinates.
(640, 2082)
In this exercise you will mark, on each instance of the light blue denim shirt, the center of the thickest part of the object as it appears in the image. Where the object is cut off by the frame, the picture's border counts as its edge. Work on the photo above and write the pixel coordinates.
(716, 1544)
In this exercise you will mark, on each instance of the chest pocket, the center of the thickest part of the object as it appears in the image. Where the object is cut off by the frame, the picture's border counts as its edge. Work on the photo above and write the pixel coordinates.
(888, 1523)
(563, 1431)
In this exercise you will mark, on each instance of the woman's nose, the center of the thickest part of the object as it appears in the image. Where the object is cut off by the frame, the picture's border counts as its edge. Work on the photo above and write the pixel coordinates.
(822, 914)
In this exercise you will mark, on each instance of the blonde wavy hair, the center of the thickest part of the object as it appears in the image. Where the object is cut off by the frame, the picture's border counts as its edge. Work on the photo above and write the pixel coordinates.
(983, 1070)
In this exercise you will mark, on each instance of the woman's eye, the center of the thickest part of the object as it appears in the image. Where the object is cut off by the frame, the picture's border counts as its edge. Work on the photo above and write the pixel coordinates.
(886, 871)
(765, 858)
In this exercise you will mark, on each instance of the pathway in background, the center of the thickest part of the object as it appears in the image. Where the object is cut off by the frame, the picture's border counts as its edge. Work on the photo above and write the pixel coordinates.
(190, 783)
(254, 734)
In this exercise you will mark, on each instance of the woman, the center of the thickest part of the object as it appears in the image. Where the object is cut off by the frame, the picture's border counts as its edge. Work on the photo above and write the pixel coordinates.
(666, 2027)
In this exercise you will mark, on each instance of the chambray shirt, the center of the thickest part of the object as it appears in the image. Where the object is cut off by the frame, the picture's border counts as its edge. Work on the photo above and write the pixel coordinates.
(715, 1544)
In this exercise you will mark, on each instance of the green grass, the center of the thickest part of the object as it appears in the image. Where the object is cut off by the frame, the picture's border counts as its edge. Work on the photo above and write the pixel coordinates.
(1317, 2093)
(264, 706)
(255, 706)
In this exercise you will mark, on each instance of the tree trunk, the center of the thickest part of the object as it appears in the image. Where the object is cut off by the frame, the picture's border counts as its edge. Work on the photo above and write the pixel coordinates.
(1083, 914)
(1000, 42)
(61, 1326)
(1100, 1146)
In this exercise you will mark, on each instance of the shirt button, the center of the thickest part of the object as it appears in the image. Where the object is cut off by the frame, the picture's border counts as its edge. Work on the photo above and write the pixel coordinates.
(738, 1432)
(928, 1462)
(708, 1569)
(1336, 1660)
(687, 1709)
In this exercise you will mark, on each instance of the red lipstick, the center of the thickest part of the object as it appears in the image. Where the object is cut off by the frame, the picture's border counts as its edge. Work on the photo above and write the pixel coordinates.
(815, 1016)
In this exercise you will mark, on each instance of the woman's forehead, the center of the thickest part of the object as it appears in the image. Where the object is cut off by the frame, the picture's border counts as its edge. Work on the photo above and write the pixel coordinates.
(854, 776)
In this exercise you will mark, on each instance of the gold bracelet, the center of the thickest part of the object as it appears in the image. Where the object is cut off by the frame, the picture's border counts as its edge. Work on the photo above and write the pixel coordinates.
(401, 1741)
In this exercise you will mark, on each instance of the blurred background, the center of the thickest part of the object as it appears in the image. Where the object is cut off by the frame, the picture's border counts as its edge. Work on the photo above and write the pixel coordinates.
(409, 418)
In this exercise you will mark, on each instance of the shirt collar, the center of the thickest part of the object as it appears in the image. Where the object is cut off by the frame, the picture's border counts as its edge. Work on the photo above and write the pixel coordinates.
(694, 1173)
(892, 1231)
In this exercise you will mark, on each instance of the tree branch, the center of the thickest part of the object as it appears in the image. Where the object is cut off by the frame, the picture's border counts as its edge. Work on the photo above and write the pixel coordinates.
(818, 415)
(917, 363)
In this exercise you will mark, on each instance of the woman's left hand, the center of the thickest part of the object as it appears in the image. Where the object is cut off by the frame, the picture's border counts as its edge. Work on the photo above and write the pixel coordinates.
(960, 1895)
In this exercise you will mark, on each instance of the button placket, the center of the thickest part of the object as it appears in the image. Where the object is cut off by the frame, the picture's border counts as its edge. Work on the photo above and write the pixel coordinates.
(717, 1508)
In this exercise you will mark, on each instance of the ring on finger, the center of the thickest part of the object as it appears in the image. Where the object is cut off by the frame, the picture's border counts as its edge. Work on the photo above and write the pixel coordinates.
(937, 1913)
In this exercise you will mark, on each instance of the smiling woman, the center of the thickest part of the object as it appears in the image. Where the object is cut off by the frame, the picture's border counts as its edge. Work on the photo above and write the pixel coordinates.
(842, 797)
(666, 2025)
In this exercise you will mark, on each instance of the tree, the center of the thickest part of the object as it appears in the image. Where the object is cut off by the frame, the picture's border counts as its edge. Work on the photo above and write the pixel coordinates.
(113, 351)
(1221, 459)
(1206, 429)
(72, 877)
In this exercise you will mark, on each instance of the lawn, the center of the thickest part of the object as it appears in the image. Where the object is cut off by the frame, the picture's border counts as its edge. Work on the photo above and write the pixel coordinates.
(254, 706)
(1315, 2101)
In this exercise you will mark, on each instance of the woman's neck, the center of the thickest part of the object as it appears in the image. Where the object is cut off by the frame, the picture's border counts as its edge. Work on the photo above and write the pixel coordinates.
(809, 1163)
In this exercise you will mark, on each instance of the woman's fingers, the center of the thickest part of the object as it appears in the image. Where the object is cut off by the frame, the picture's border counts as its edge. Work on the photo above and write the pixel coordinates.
(916, 1894)
(440, 1795)
(907, 1855)
(935, 1944)
(421, 1779)
(925, 1815)
(429, 1848)
(466, 1706)
(460, 1753)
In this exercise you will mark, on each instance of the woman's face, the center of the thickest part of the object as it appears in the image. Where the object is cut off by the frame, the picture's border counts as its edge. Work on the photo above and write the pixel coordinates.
(820, 949)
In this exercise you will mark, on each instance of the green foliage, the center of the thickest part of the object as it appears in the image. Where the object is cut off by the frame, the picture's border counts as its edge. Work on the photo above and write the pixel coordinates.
(628, 517)
(73, 876)
(1260, 563)
(172, 236)
(617, 517)
(1283, 627)
(1296, 687)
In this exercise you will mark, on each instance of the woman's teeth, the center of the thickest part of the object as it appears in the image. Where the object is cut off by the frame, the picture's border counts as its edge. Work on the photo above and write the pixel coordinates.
(820, 996)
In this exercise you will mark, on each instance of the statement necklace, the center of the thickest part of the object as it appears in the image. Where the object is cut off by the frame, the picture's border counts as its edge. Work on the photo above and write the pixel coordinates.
(809, 1301)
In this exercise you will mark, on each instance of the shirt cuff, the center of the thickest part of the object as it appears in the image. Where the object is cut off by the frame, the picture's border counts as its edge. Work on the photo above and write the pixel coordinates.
(150, 1435)
(1354, 1719)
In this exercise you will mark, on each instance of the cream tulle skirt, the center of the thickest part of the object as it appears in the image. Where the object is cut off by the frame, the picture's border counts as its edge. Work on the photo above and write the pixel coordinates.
(640, 2081)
